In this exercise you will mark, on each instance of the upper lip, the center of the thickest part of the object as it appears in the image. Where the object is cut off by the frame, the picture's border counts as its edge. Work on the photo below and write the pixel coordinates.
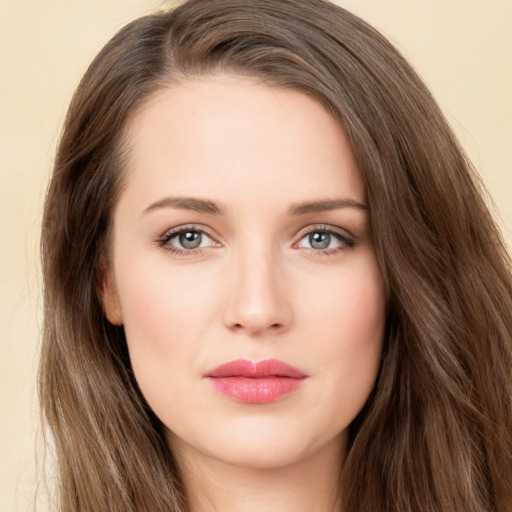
(256, 370)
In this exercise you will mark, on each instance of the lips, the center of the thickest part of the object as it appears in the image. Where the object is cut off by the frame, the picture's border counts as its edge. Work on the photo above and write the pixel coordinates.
(256, 382)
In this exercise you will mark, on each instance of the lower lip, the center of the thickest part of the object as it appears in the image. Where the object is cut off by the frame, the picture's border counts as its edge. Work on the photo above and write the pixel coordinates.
(255, 391)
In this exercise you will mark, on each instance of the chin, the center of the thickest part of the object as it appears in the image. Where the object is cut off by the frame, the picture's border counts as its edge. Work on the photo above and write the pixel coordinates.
(260, 445)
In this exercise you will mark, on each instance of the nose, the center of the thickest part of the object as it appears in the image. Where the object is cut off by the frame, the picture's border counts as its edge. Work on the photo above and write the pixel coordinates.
(258, 301)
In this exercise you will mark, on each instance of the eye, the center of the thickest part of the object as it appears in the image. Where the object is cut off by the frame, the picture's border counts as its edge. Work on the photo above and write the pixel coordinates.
(325, 240)
(185, 240)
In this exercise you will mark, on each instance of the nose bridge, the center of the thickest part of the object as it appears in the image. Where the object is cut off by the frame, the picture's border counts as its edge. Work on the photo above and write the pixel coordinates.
(258, 300)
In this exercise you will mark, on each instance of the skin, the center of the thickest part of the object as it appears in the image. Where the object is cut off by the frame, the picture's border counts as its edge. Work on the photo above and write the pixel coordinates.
(256, 288)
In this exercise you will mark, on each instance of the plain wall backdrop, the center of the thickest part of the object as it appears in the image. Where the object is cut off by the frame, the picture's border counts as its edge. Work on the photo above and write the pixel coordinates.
(462, 49)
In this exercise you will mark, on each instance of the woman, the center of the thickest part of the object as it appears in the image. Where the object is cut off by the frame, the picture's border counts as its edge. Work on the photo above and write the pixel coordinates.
(271, 281)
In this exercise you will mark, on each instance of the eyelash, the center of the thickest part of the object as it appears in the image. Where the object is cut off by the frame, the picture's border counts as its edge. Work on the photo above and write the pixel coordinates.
(164, 239)
(347, 240)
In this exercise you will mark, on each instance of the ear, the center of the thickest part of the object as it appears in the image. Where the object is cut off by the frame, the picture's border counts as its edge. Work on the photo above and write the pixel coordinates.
(108, 293)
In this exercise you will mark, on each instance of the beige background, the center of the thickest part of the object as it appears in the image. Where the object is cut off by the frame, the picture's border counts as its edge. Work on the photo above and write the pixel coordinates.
(462, 48)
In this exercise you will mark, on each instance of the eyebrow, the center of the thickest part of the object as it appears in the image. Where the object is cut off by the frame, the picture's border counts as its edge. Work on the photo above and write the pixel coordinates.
(322, 206)
(187, 203)
(212, 208)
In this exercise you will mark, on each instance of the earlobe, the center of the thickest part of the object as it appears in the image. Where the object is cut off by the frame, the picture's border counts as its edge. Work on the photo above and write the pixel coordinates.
(108, 295)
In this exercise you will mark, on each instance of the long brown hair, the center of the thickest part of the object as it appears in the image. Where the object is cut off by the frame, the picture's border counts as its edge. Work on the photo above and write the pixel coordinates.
(436, 433)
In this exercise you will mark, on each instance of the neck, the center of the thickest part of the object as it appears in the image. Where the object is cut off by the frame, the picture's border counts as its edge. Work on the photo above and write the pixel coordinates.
(310, 484)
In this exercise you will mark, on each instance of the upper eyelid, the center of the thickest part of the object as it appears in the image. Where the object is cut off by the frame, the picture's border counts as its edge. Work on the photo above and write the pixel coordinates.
(324, 227)
(207, 230)
(169, 233)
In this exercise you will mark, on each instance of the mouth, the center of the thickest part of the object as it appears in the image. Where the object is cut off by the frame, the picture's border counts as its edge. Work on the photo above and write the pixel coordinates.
(260, 382)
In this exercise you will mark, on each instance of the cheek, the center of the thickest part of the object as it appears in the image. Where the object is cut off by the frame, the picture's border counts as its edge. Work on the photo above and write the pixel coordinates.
(348, 316)
(349, 306)
(164, 316)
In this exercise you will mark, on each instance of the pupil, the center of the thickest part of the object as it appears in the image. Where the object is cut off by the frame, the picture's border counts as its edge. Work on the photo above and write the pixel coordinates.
(319, 240)
(190, 239)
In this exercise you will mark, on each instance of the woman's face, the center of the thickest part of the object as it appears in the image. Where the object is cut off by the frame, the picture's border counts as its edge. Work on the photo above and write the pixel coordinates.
(242, 237)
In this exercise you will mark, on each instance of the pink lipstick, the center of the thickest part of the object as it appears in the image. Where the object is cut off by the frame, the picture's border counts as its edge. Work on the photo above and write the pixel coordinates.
(255, 383)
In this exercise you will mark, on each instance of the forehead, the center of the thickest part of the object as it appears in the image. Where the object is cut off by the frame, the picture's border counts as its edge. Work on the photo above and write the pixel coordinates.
(226, 135)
